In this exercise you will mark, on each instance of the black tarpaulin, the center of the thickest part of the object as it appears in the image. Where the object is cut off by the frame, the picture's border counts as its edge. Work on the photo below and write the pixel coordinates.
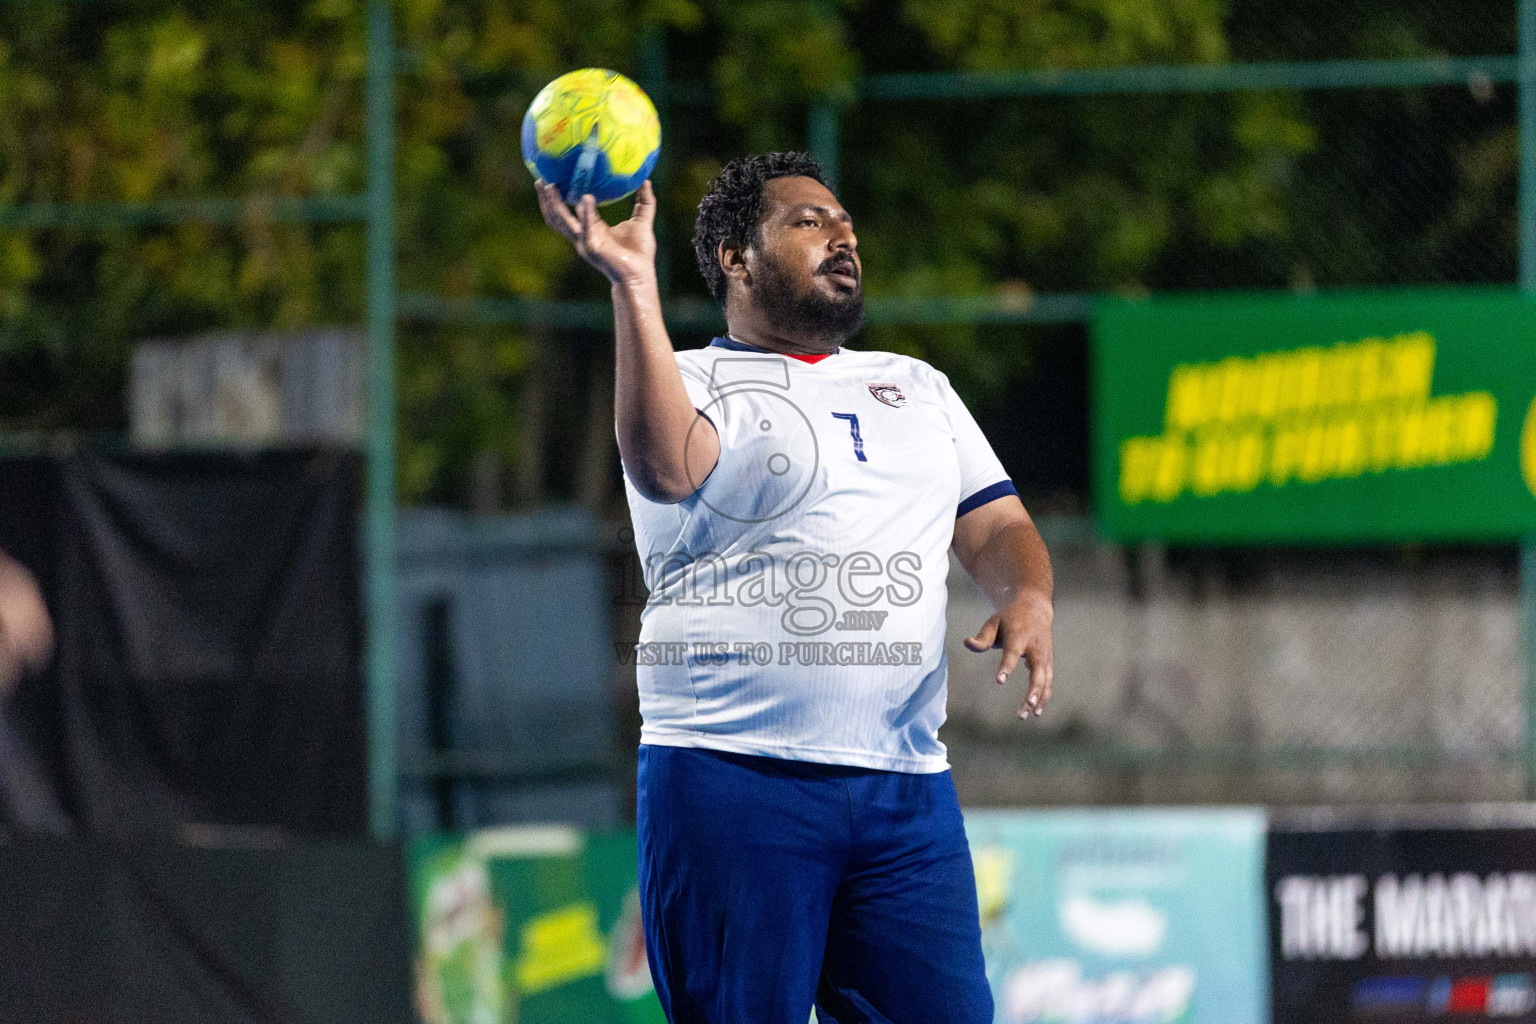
(208, 661)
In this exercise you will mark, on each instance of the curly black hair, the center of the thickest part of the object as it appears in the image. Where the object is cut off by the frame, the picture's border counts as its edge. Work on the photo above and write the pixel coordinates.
(733, 205)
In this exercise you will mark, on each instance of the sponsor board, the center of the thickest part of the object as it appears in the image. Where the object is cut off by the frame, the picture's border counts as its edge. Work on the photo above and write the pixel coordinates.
(529, 926)
(1369, 416)
(1122, 917)
(1406, 923)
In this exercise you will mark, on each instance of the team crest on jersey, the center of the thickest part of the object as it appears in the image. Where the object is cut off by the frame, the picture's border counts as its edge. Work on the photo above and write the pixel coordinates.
(890, 394)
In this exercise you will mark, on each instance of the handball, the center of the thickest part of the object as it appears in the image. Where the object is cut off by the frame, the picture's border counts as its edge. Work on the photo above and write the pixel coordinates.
(592, 131)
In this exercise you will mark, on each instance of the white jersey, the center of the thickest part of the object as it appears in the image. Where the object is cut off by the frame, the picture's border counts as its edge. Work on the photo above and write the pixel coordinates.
(797, 598)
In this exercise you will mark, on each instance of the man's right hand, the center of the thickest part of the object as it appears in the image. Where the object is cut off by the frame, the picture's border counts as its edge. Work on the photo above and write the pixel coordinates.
(624, 252)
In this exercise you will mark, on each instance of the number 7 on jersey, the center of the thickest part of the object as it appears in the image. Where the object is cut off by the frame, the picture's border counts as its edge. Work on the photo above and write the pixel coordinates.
(853, 428)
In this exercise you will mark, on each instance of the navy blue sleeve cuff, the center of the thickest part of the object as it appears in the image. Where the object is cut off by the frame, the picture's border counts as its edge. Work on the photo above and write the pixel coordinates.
(1001, 489)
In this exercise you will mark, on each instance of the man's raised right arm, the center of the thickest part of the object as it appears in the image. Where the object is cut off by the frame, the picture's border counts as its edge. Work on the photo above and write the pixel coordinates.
(667, 445)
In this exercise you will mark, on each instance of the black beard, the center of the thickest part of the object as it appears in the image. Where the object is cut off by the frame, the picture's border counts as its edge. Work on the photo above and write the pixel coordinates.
(817, 318)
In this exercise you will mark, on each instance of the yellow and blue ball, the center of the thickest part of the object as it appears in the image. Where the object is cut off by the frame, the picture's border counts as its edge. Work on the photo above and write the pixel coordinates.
(592, 131)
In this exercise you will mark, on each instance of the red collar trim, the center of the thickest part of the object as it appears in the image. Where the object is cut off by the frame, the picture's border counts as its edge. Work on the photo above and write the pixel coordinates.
(740, 346)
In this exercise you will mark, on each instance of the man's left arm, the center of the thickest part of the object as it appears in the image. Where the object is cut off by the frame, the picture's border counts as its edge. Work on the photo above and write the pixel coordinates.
(1002, 550)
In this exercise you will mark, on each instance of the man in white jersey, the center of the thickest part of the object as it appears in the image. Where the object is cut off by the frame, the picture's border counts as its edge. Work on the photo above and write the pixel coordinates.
(794, 503)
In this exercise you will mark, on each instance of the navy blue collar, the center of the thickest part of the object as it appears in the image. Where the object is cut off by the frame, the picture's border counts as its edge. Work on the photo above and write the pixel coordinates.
(731, 343)
(735, 346)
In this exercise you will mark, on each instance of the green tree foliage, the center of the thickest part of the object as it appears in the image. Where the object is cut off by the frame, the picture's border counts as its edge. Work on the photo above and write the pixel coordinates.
(1403, 186)
(146, 101)
(1058, 194)
(158, 105)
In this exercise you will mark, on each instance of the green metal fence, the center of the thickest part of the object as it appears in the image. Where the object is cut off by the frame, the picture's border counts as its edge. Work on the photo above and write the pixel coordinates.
(874, 96)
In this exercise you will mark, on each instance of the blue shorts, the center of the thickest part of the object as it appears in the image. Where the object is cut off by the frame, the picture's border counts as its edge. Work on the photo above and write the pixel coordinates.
(767, 884)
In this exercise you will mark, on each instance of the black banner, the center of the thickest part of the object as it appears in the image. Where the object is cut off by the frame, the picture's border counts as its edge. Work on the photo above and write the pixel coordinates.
(1401, 924)
(206, 611)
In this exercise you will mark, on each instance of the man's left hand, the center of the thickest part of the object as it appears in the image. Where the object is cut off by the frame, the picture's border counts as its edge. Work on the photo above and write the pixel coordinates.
(1022, 630)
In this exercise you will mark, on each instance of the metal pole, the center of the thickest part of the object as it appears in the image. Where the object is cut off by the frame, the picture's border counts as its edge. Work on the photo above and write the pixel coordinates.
(1408, 73)
(1528, 634)
(1527, 64)
(821, 139)
(653, 79)
(273, 210)
(379, 524)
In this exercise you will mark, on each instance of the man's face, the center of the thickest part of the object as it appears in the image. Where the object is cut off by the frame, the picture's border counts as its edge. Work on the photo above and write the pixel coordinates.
(806, 275)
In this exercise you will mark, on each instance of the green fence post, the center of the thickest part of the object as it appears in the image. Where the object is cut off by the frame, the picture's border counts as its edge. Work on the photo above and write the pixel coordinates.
(653, 79)
(1527, 65)
(821, 139)
(1528, 635)
(379, 537)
